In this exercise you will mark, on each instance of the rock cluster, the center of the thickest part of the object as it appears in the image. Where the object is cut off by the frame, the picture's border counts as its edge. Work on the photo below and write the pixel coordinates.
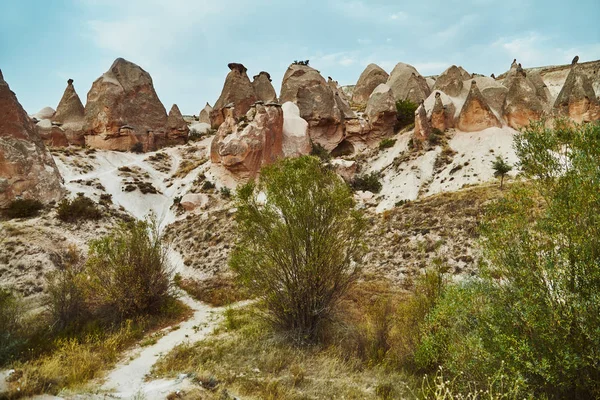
(123, 110)
(27, 169)
(243, 145)
(238, 92)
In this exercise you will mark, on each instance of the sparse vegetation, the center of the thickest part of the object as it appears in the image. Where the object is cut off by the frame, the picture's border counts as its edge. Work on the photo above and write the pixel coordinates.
(367, 182)
(386, 143)
(23, 208)
(319, 151)
(218, 290)
(80, 208)
(138, 147)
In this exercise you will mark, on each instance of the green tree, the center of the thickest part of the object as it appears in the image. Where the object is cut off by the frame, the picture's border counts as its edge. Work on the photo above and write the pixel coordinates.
(405, 110)
(501, 168)
(300, 243)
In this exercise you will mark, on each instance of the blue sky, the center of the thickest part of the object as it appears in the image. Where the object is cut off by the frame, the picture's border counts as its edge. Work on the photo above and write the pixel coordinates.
(186, 44)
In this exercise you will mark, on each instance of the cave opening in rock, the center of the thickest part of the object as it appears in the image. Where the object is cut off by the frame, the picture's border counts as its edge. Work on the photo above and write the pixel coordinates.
(345, 148)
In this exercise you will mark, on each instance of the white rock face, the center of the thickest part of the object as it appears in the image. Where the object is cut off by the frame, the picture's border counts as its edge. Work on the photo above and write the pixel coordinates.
(200, 127)
(45, 124)
(295, 132)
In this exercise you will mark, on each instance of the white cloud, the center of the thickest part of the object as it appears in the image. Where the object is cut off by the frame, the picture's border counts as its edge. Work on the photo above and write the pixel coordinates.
(454, 30)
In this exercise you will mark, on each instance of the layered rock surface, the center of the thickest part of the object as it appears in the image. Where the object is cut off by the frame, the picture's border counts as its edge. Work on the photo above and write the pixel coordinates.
(522, 104)
(123, 109)
(27, 169)
(263, 88)
(577, 99)
(68, 121)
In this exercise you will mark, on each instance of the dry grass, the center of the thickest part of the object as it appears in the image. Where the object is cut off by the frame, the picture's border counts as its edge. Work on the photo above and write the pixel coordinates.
(219, 290)
(188, 166)
(75, 360)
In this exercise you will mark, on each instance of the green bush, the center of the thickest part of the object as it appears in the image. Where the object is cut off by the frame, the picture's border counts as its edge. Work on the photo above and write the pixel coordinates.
(386, 143)
(225, 192)
(536, 310)
(367, 182)
(319, 151)
(405, 110)
(127, 273)
(299, 250)
(12, 336)
(435, 137)
(77, 209)
(23, 208)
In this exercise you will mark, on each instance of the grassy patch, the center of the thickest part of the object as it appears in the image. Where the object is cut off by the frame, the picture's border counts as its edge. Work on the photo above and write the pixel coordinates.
(188, 166)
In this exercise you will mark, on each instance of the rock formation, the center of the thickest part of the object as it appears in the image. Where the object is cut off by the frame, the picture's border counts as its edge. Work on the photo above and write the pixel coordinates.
(27, 169)
(407, 83)
(541, 90)
(442, 115)
(204, 116)
(450, 81)
(44, 113)
(238, 91)
(476, 114)
(522, 104)
(305, 87)
(263, 88)
(493, 92)
(370, 78)
(123, 109)
(70, 116)
(295, 132)
(341, 100)
(422, 127)
(243, 146)
(577, 99)
(178, 128)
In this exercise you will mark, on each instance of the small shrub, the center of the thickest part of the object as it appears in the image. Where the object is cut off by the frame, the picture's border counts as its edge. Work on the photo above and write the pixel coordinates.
(23, 208)
(11, 326)
(137, 148)
(225, 192)
(367, 182)
(386, 143)
(319, 151)
(405, 110)
(77, 209)
(128, 272)
(208, 185)
(435, 137)
(106, 199)
(195, 135)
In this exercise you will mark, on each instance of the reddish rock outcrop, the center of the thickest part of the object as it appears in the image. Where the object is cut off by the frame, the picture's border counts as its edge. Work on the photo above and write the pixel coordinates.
(70, 115)
(522, 104)
(450, 81)
(123, 109)
(305, 87)
(577, 99)
(27, 169)
(178, 128)
(244, 146)
(407, 83)
(370, 78)
(263, 88)
(442, 113)
(237, 92)
(476, 114)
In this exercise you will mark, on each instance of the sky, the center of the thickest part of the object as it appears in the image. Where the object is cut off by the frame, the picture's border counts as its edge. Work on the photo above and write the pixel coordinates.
(186, 44)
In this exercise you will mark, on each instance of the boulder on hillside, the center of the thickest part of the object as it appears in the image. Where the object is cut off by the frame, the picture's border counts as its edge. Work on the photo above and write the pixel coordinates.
(370, 78)
(577, 99)
(44, 113)
(237, 92)
(295, 132)
(522, 104)
(123, 109)
(204, 116)
(450, 81)
(305, 87)
(403, 83)
(27, 170)
(178, 128)
(476, 114)
(70, 114)
(263, 88)
(243, 146)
